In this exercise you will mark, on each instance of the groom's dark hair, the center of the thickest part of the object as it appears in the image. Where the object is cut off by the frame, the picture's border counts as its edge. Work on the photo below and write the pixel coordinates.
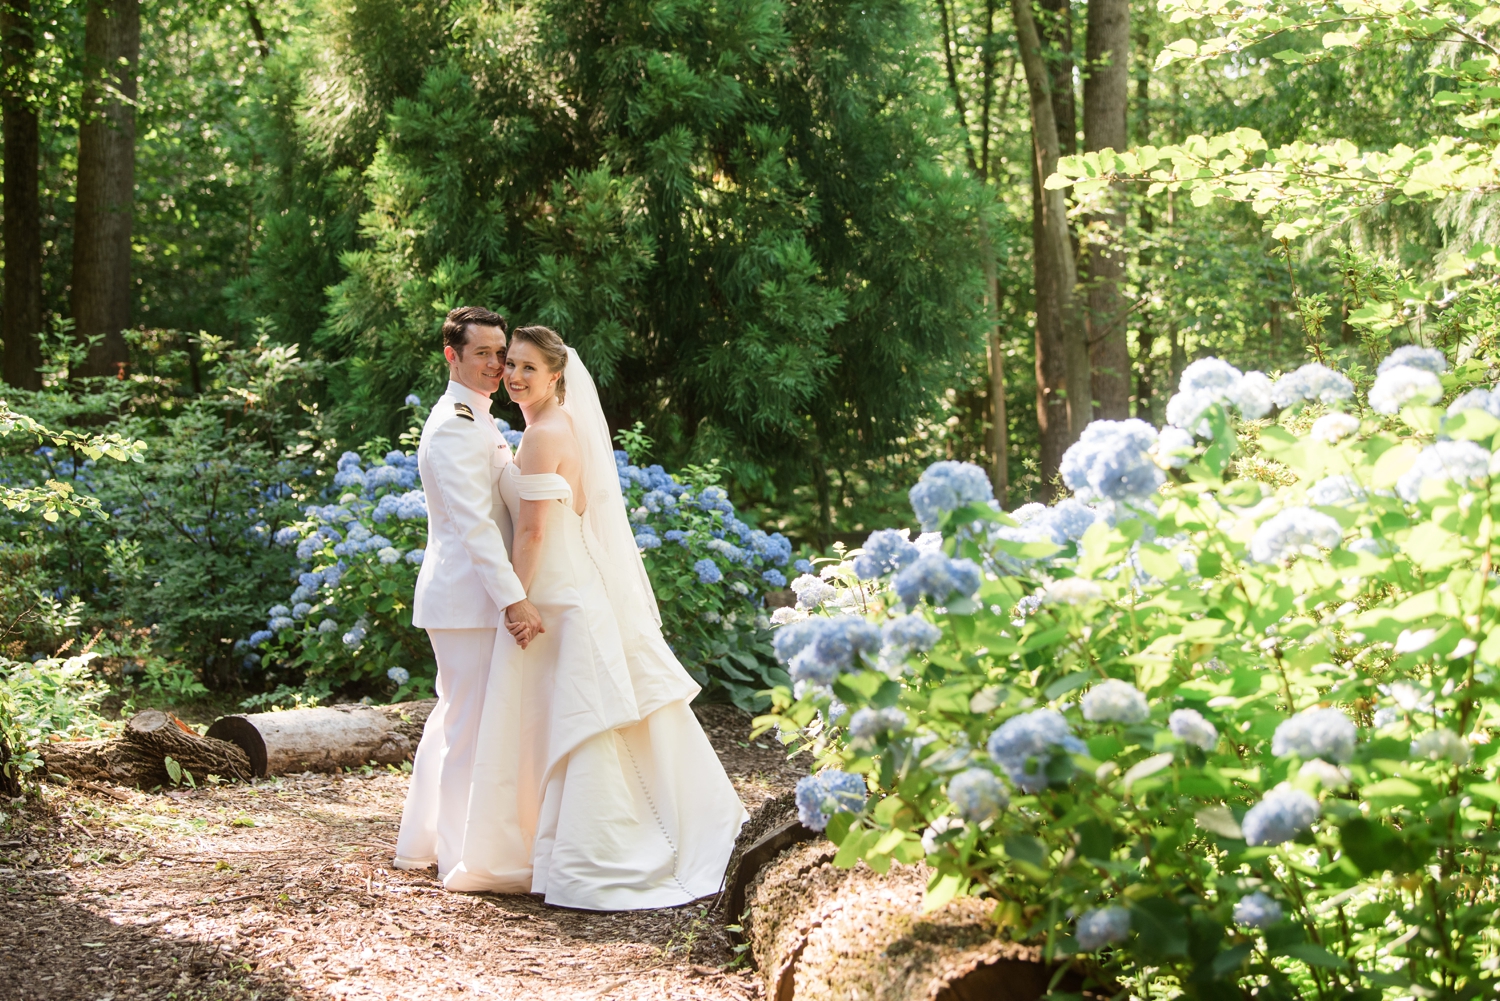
(456, 326)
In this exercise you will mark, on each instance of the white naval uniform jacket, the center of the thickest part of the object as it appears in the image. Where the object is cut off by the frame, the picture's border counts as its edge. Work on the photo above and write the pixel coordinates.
(466, 580)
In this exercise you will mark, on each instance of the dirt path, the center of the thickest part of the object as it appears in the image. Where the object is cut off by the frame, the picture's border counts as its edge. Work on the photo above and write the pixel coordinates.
(284, 889)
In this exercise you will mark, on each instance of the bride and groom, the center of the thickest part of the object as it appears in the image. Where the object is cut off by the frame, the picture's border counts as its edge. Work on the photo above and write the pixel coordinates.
(562, 758)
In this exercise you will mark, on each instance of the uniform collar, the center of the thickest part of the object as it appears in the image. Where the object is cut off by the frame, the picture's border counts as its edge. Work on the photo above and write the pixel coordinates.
(478, 402)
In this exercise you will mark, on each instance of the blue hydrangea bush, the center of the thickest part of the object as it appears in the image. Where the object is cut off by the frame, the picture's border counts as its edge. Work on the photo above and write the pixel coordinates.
(712, 574)
(1220, 723)
(345, 621)
(344, 624)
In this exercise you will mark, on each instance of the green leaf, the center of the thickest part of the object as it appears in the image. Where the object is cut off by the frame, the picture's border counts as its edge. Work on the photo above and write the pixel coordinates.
(1161, 927)
(1025, 848)
(1315, 955)
(943, 888)
(1374, 847)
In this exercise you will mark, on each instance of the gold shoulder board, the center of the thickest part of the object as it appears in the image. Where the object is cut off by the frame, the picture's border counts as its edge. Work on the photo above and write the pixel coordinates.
(464, 411)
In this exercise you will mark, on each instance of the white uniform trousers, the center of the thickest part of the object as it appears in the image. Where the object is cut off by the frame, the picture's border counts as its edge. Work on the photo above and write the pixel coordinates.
(437, 802)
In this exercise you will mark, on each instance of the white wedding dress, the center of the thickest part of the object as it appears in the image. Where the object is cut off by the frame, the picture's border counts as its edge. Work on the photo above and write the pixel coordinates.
(593, 783)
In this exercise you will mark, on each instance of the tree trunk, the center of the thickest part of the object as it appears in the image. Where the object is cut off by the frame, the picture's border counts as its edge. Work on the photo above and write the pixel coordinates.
(325, 739)
(21, 310)
(138, 758)
(820, 933)
(1105, 88)
(999, 436)
(1145, 391)
(106, 184)
(1063, 391)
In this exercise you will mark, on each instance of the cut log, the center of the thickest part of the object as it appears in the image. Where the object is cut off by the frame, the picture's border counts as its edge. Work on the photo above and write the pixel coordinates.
(325, 739)
(138, 756)
(770, 831)
(820, 933)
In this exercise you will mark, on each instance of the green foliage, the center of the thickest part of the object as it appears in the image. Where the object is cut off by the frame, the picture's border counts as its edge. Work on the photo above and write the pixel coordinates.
(1198, 600)
(48, 699)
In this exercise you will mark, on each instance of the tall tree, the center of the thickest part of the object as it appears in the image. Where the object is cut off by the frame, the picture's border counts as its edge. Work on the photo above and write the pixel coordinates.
(106, 183)
(1062, 366)
(21, 309)
(979, 155)
(1105, 83)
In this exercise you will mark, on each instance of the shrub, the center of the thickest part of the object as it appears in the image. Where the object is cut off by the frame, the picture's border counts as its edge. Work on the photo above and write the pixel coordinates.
(48, 699)
(711, 573)
(1214, 734)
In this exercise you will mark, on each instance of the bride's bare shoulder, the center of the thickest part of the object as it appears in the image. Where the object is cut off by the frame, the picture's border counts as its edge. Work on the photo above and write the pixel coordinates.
(547, 445)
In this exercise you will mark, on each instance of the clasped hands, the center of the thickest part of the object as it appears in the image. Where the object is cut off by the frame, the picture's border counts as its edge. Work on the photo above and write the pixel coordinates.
(523, 622)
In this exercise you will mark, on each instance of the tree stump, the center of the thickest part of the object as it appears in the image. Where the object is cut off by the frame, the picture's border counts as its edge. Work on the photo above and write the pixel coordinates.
(325, 739)
(139, 756)
(820, 933)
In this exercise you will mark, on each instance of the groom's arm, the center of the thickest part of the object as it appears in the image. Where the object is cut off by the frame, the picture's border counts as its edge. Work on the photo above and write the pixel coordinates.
(460, 459)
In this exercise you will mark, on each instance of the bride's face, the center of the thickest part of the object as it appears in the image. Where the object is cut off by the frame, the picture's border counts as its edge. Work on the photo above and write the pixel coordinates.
(527, 378)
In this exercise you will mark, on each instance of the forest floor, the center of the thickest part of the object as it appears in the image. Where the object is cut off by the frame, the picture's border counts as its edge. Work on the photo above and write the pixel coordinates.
(283, 889)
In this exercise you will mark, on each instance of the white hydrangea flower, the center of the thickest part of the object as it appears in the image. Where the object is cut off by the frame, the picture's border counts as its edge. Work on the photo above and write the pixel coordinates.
(1396, 387)
(1115, 701)
(1189, 726)
(1316, 733)
(1072, 591)
(1441, 745)
(1463, 462)
(1413, 356)
(1326, 775)
(1331, 491)
(1334, 427)
(812, 591)
(1295, 530)
(1173, 448)
(1313, 382)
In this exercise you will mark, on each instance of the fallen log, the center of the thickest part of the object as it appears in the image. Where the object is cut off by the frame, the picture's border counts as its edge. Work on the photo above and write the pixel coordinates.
(821, 933)
(769, 832)
(325, 739)
(138, 756)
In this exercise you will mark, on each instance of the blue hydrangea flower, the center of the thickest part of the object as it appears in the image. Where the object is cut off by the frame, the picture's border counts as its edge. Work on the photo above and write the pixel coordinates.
(678, 536)
(1316, 733)
(1463, 462)
(708, 571)
(933, 575)
(822, 795)
(1312, 382)
(647, 540)
(803, 566)
(260, 636)
(332, 575)
(308, 546)
(416, 556)
(1114, 701)
(977, 794)
(1189, 726)
(328, 626)
(1256, 911)
(830, 647)
(774, 577)
(793, 637)
(354, 637)
(350, 477)
(286, 536)
(1023, 745)
(1175, 447)
(1413, 356)
(1102, 926)
(1476, 399)
(884, 551)
(412, 504)
(301, 594)
(300, 610)
(1283, 814)
(349, 460)
(389, 555)
(383, 476)
(908, 634)
(399, 675)
(1111, 460)
(1293, 531)
(281, 622)
(278, 611)
(868, 724)
(945, 487)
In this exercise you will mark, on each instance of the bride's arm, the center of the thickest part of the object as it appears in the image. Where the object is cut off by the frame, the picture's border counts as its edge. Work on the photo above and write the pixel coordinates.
(541, 452)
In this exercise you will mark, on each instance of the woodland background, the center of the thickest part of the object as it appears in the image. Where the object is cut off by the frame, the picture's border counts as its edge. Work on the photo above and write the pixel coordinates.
(805, 244)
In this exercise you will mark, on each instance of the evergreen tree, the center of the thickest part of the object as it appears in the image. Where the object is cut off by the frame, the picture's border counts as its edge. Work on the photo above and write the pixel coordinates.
(740, 214)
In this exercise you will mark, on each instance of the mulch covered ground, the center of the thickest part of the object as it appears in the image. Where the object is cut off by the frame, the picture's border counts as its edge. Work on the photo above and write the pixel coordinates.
(283, 889)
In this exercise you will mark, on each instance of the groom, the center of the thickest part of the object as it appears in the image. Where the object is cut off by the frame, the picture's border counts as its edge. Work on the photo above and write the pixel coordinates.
(466, 586)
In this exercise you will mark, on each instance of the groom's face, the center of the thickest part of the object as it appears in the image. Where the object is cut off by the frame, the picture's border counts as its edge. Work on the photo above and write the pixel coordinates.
(481, 362)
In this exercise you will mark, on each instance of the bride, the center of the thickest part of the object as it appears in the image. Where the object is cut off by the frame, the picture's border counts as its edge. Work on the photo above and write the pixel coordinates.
(593, 783)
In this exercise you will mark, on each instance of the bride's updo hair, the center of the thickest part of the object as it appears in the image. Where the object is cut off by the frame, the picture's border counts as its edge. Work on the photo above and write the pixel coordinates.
(554, 352)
